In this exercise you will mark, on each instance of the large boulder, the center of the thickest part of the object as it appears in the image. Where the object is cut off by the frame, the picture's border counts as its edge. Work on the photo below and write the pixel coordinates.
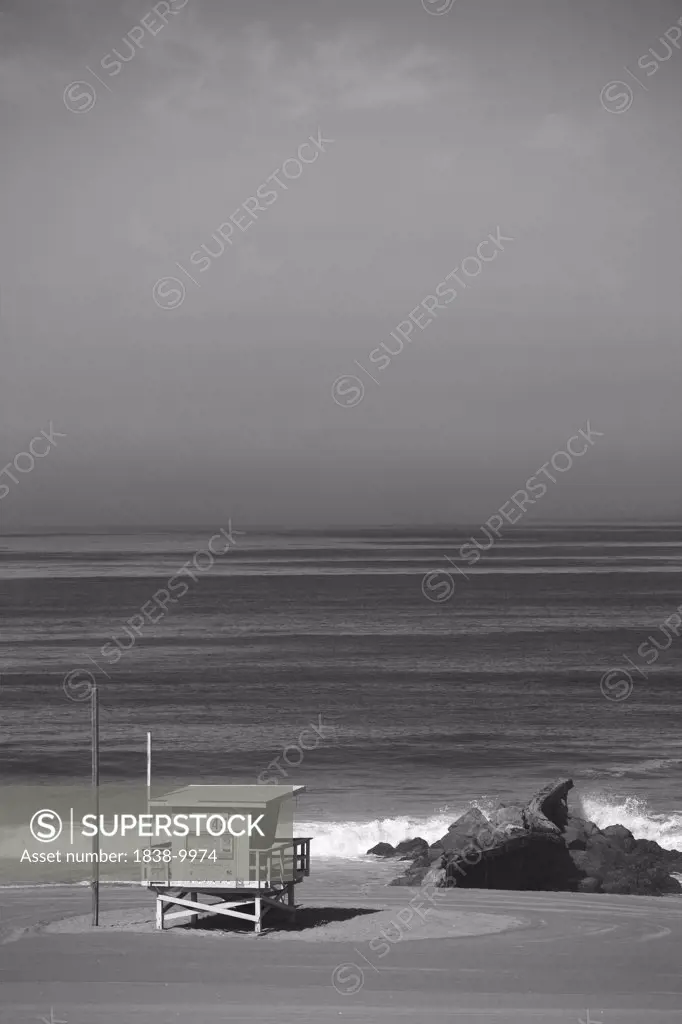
(471, 829)
(465, 829)
(421, 875)
(547, 811)
(578, 832)
(410, 849)
(509, 819)
(463, 838)
(459, 834)
(420, 866)
(620, 837)
(382, 850)
(672, 859)
(634, 881)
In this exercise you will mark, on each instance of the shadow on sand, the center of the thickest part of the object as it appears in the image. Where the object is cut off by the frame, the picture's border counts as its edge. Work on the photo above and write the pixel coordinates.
(279, 920)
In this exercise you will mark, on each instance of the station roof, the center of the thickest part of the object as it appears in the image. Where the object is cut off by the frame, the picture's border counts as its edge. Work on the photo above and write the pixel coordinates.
(226, 795)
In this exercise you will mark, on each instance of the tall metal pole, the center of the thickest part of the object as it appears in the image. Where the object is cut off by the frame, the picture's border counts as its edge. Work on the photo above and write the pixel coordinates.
(149, 769)
(94, 709)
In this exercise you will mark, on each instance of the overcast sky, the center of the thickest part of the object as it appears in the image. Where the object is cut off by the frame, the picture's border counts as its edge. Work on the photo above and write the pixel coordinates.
(446, 128)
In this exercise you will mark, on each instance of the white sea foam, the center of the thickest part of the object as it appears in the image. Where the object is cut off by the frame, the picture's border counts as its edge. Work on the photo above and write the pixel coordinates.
(635, 813)
(350, 840)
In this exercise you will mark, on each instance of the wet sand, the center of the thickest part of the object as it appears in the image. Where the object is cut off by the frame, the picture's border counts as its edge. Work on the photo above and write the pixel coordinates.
(564, 955)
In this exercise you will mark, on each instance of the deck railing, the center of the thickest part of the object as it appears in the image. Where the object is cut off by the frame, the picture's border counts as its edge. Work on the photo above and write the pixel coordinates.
(286, 860)
(303, 855)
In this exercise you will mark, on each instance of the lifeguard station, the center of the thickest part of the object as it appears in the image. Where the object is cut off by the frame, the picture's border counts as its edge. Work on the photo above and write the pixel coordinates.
(208, 874)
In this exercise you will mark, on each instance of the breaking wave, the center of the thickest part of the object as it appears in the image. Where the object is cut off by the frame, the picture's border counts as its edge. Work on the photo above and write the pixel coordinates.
(635, 813)
(350, 840)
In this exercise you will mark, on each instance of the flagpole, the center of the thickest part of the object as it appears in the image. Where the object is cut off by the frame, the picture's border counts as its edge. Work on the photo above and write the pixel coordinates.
(149, 770)
(94, 722)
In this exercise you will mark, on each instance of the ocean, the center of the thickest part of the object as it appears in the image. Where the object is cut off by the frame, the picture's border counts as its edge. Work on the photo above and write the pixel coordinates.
(320, 656)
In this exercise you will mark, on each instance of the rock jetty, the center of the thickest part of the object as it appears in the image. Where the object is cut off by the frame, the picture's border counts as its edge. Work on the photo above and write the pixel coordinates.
(538, 845)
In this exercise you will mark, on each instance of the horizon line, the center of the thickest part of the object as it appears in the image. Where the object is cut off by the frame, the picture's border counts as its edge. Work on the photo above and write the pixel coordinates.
(261, 530)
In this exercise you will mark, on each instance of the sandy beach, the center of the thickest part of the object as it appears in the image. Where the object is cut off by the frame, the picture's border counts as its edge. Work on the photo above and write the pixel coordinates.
(509, 956)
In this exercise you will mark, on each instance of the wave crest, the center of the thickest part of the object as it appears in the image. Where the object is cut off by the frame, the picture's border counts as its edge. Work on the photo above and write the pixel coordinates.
(635, 813)
(350, 840)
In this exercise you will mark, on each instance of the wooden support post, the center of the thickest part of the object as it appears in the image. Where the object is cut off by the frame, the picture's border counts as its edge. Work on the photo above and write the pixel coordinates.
(258, 915)
(159, 913)
(290, 900)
